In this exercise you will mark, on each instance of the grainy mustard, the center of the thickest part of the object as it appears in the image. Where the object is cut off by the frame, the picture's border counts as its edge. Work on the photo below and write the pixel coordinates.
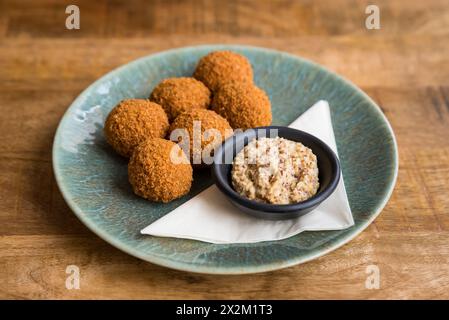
(275, 170)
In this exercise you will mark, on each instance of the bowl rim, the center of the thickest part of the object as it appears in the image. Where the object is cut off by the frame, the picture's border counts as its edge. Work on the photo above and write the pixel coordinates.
(224, 186)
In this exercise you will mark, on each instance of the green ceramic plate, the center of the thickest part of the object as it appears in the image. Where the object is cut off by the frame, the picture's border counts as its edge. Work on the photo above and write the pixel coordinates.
(93, 179)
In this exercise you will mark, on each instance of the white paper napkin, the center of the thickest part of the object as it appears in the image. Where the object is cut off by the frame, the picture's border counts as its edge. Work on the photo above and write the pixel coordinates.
(210, 217)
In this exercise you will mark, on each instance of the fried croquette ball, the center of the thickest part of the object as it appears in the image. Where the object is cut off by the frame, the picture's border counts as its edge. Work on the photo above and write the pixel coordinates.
(159, 170)
(207, 127)
(133, 121)
(244, 106)
(220, 67)
(177, 95)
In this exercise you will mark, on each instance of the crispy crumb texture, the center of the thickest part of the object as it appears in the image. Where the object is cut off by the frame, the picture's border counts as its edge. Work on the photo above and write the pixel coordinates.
(131, 122)
(154, 176)
(207, 119)
(245, 106)
(177, 95)
(220, 67)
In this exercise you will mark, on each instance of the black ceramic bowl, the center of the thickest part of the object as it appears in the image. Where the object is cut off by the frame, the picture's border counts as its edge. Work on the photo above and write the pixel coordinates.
(328, 166)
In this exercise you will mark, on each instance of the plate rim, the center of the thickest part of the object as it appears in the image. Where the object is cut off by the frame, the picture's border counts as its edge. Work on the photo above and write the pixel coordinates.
(204, 269)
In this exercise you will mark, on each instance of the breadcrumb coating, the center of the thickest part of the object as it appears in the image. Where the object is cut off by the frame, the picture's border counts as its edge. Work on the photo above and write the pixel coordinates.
(154, 176)
(177, 95)
(220, 67)
(133, 121)
(243, 105)
(208, 120)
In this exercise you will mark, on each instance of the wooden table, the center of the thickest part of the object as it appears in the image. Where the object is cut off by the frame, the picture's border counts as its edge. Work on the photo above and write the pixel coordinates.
(404, 67)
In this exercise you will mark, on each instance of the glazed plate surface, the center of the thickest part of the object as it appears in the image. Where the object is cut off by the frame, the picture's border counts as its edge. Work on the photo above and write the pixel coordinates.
(93, 179)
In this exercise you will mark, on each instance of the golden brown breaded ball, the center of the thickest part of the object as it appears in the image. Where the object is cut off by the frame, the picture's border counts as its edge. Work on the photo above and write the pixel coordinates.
(207, 119)
(155, 175)
(177, 95)
(244, 106)
(220, 67)
(133, 121)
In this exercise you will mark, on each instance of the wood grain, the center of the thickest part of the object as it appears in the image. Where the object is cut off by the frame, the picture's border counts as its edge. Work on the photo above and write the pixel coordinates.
(404, 66)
